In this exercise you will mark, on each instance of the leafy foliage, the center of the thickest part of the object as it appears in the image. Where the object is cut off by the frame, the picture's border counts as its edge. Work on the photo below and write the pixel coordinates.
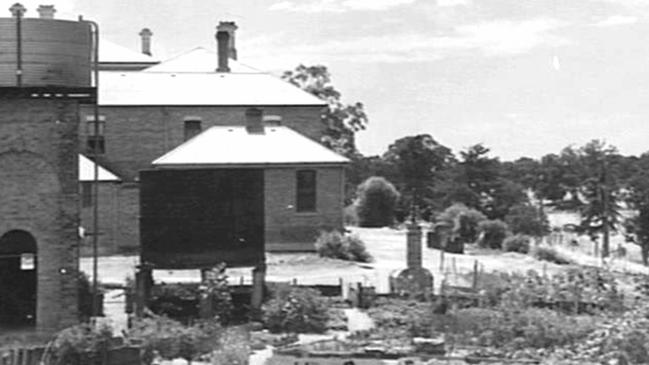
(465, 221)
(163, 337)
(550, 254)
(298, 310)
(377, 200)
(340, 120)
(517, 243)
(492, 233)
(336, 245)
(528, 220)
(75, 344)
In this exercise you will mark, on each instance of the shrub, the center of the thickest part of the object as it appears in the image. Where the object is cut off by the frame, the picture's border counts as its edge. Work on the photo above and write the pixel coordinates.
(233, 348)
(350, 217)
(296, 310)
(528, 220)
(464, 220)
(169, 339)
(335, 245)
(377, 200)
(492, 233)
(550, 254)
(518, 243)
(74, 345)
(512, 330)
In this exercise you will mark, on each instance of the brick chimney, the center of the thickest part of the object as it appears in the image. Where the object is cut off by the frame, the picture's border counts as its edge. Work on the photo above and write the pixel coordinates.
(231, 28)
(254, 121)
(46, 11)
(145, 36)
(222, 39)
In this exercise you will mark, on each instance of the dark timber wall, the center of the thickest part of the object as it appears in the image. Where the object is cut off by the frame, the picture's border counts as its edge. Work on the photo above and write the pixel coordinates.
(199, 218)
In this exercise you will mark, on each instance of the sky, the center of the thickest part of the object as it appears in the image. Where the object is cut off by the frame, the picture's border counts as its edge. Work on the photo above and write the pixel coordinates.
(523, 77)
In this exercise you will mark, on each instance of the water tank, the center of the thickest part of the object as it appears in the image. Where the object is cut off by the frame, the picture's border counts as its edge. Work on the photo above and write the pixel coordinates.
(54, 53)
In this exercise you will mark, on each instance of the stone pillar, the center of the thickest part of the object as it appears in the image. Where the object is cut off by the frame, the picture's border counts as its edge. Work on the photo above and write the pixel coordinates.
(413, 250)
(258, 283)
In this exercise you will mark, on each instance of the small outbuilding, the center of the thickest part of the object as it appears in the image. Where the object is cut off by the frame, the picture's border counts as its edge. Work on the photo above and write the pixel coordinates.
(229, 193)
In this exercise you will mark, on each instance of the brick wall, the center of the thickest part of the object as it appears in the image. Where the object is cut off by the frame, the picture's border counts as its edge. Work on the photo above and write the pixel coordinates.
(289, 230)
(135, 136)
(108, 218)
(38, 194)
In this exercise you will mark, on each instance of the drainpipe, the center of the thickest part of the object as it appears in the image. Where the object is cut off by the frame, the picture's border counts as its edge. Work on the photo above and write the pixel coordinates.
(95, 186)
(17, 10)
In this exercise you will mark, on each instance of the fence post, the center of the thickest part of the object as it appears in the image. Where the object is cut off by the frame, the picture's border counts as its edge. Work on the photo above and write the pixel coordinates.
(475, 275)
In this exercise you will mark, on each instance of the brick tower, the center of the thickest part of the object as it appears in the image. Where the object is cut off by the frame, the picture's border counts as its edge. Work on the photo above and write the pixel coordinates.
(44, 77)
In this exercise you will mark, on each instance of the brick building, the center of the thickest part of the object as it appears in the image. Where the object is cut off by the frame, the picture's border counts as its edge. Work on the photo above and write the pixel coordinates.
(149, 107)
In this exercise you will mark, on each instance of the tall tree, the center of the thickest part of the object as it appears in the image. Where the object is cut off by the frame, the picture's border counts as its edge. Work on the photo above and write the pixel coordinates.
(599, 191)
(638, 198)
(341, 120)
(419, 160)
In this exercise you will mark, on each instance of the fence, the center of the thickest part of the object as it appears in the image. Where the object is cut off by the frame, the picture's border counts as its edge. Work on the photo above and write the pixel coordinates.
(38, 356)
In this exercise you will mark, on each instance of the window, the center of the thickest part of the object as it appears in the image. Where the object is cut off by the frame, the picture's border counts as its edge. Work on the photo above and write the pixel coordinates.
(192, 127)
(95, 144)
(306, 191)
(272, 120)
(86, 194)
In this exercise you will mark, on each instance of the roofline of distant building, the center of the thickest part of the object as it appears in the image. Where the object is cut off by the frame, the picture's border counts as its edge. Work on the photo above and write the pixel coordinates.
(211, 105)
(206, 166)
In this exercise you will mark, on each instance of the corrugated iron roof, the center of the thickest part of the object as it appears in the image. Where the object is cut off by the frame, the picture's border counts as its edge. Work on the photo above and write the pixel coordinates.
(110, 52)
(224, 88)
(87, 171)
(198, 59)
(235, 146)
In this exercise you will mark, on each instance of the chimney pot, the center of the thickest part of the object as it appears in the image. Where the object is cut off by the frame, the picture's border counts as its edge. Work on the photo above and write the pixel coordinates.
(254, 121)
(17, 10)
(46, 11)
(222, 39)
(145, 36)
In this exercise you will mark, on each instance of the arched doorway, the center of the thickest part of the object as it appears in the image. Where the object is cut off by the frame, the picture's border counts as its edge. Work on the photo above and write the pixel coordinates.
(18, 278)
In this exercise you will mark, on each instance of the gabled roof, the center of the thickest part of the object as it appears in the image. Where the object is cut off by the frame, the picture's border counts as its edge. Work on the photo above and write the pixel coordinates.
(112, 53)
(198, 59)
(235, 146)
(224, 88)
(87, 171)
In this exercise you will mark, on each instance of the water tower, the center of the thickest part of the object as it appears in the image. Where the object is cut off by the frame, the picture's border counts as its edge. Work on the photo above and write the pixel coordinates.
(45, 75)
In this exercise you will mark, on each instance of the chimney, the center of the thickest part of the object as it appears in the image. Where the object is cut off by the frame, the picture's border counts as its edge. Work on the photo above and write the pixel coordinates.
(254, 121)
(229, 27)
(46, 11)
(145, 36)
(222, 39)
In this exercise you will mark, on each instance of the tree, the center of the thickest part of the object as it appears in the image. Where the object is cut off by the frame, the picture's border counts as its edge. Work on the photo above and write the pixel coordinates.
(638, 198)
(341, 120)
(377, 200)
(600, 192)
(528, 220)
(464, 222)
(418, 160)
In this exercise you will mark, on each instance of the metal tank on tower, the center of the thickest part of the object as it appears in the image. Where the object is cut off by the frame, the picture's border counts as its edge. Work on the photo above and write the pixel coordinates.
(45, 75)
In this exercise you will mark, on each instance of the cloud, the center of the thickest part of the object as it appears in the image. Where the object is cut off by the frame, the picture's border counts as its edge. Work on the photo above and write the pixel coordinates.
(616, 20)
(336, 6)
(495, 38)
(451, 3)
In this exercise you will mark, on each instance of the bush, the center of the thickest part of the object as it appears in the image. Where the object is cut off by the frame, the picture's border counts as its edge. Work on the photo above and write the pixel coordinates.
(514, 330)
(518, 243)
(169, 339)
(492, 233)
(377, 200)
(76, 344)
(296, 310)
(464, 221)
(528, 220)
(233, 348)
(335, 245)
(550, 254)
